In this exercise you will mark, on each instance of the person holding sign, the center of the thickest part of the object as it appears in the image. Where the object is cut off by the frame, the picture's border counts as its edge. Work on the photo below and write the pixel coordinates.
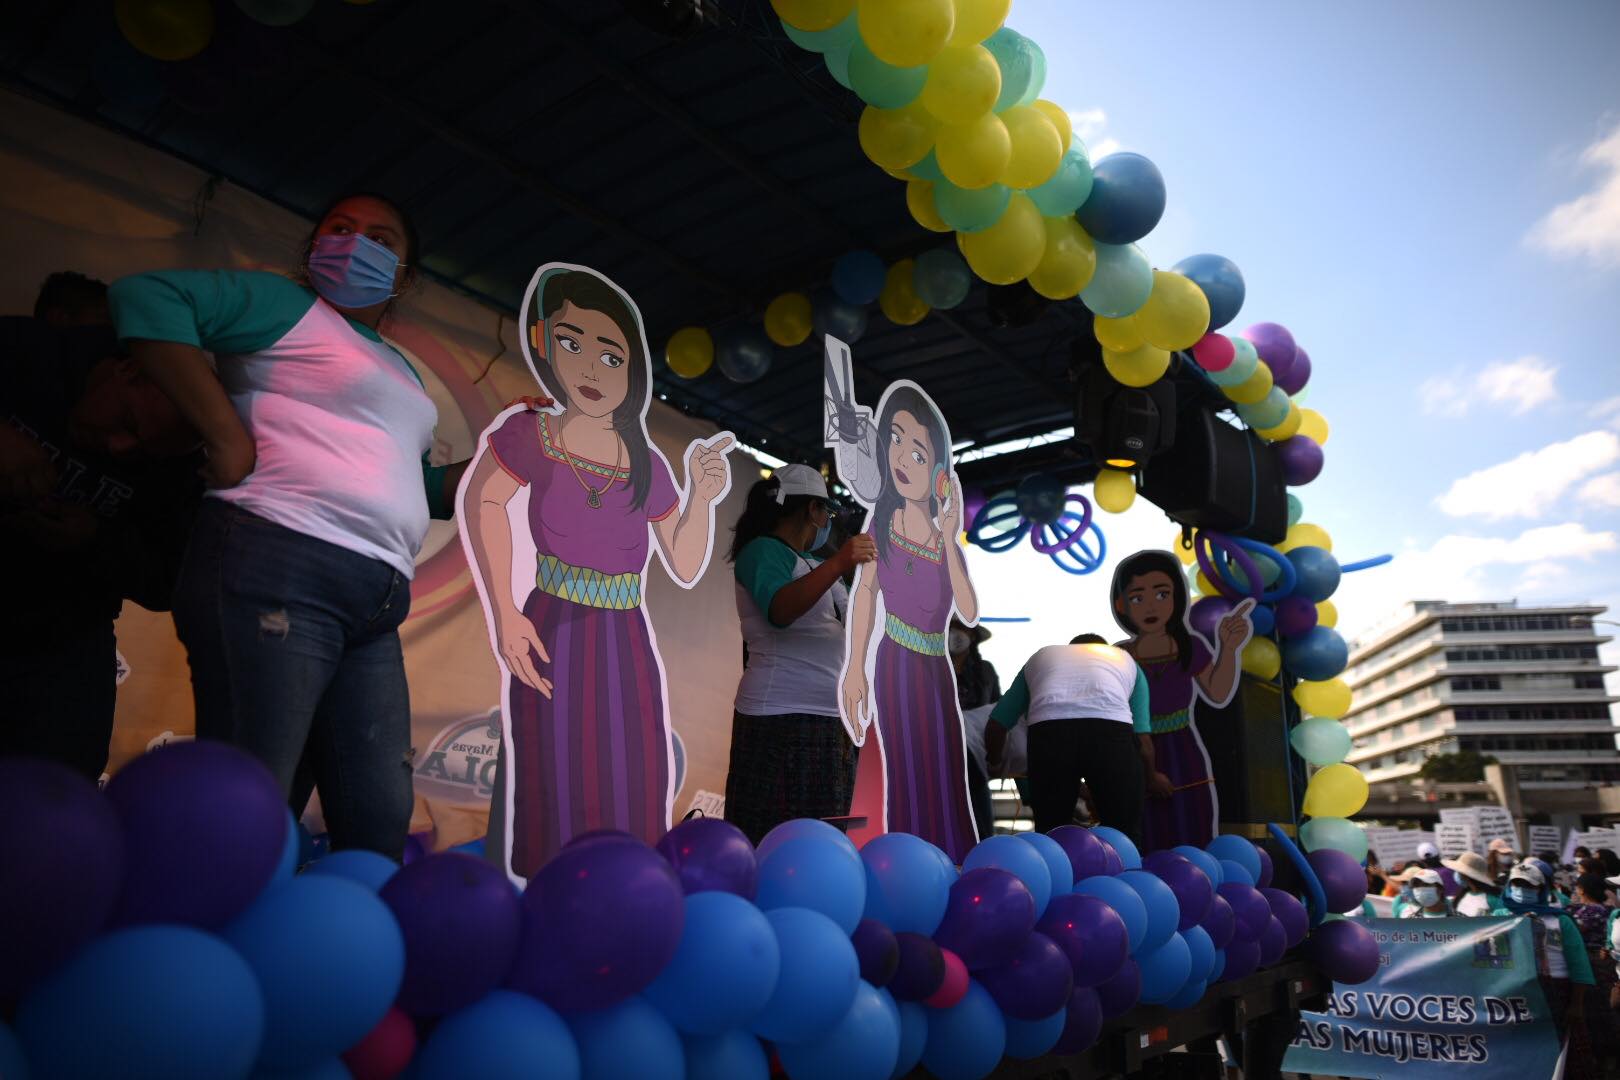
(1561, 961)
(1428, 895)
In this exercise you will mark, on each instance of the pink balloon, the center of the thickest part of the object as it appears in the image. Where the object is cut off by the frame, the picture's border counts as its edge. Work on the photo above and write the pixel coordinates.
(955, 986)
(386, 1052)
(1214, 352)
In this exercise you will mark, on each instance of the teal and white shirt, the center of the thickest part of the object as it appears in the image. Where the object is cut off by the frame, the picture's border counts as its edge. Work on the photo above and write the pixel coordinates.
(339, 419)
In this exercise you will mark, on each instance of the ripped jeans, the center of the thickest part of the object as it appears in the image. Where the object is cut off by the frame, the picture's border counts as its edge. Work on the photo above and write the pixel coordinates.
(294, 650)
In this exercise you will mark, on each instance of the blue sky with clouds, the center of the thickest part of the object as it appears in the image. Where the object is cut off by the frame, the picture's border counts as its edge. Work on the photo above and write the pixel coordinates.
(1428, 195)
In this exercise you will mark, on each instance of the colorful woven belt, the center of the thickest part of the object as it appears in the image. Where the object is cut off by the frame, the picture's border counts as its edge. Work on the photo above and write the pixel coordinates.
(909, 637)
(587, 587)
(1165, 723)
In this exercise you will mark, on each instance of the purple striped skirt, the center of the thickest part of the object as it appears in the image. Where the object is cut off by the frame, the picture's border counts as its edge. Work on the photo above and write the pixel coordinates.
(924, 760)
(1188, 815)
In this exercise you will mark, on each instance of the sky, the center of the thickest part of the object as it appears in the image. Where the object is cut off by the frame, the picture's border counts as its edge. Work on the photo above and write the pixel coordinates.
(1428, 196)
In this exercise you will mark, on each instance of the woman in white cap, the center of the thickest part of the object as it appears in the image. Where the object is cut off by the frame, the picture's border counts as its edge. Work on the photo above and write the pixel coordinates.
(1499, 853)
(1480, 893)
(1562, 966)
(790, 757)
(1428, 896)
(1429, 856)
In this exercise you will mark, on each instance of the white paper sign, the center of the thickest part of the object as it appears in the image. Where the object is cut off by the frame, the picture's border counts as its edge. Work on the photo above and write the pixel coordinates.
(1544, 838)
(1495, 821)
(1453, 839)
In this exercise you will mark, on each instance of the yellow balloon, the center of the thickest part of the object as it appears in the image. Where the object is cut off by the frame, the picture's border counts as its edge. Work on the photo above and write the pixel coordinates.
(1314, 426)
(963, 84)
(1285, 430)
(1255, 389)
(1176, 314)
(1205, 587)
(689, 352)
(978, 19)
(1183, 552)
(1114, 490)
(1060, 120)
(1011, 249)
(787, 319)
(973, 155)
(1142, 366)
(920, 201)
(1335, 791)
(899, 300)
(1327, 615)
(1036, 151)
(1121, 335)
(1330, 699)
(901, 174)
(166, 29)
(1261, 658)
(906, 33)
(1067, 263)
(896, 138)
(813, 14)
(1304, 534)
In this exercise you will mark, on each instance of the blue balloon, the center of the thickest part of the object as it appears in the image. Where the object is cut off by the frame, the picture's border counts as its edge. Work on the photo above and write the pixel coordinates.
(1221, 282)
(1023, 67)
(1203, 954)
(290, 860)
(1164, 914)
(14, 1067)
(723, 971)
(734, 1055)
(326, 1069)
(1057, 860)
(154, 1001)
(321, 932)
(864, 1044)
(880, 85)
(970, 209)
(858, 276)
(1296, 509)
(475, 848)
(838, 37)
(1209, 864)
(927, 169)
(1127, 199)
(1125, 901)
(629, 1039)
(1318, 654)
(1191, 993)
(1316, 574)
(1069, 187)
(1238, 850)
(1165, 969)
(1263, 619)
(742, 353)
(367, 867)
(1268, 412)
(797, 828)
(819, 975)
(1122, 282)
(1236, 871)
(966, 1040)
(834, 318)
(941, 278)
(837, 61)
(913, 1036)
(813, 872)
(1019, 859)
(1120, 843)
(1028, 1039)
(907, 885)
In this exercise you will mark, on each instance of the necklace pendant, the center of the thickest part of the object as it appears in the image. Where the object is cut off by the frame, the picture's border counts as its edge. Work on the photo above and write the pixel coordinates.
(593, 499)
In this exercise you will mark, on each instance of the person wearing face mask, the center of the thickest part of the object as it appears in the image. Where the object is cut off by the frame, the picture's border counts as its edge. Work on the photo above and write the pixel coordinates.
(298, 572)
(1562, 966)
(1401, 884)
(1428, 897)
(1429, 856)
(1480, 893)
(1499, 853)
(790, 757)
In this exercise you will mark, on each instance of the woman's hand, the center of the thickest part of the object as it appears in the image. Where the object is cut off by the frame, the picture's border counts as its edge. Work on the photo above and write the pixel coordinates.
(858, 549)
(230, 459)
(1235, 629)
(1159, 785)
(515, 640)
(707, 469)
(852, 691)
(950, 512)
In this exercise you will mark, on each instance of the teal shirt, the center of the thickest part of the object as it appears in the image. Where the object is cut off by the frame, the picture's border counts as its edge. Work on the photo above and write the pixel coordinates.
(1015, 703)
(763, 567)
(1580, 966)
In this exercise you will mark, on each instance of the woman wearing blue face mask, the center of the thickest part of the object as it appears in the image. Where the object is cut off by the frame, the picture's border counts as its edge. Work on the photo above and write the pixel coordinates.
(790, 757)
(1428, 897)
(1562, 966)
(298, 572)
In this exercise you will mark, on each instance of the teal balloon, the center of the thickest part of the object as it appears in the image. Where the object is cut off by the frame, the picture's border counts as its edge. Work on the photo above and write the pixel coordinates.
(1244, 360)
(1321, 741)
(928, 169)
(1069, 187)
(1269, 411)
(1023, 67)
(1296, 509)
(837, 61)
(971, 211)
(841, 36)
(1336, 833)
(1122, 283)
(941, 278)
(881, 85)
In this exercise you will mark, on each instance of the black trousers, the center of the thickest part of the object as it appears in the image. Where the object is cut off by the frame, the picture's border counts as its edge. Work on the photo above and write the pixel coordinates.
(1102, 752)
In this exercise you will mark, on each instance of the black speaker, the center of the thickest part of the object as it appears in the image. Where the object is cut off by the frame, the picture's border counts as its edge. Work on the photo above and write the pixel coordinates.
(1219, 477)
(1253, 766)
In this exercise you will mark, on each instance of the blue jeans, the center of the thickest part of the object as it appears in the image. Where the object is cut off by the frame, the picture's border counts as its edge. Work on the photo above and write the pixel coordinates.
(294, 650)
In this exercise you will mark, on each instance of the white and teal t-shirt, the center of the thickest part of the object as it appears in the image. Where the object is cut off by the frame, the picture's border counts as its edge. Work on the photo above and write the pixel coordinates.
(794, 668)
(339, 419)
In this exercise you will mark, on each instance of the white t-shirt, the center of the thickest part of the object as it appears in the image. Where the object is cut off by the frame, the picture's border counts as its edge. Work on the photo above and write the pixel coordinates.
(793, 668)
(1068, 682)
(1473, 904)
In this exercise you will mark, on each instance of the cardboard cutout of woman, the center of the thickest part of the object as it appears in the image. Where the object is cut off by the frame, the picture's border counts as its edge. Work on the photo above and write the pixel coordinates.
(919, 579)
(1149, 597)
(585, 718)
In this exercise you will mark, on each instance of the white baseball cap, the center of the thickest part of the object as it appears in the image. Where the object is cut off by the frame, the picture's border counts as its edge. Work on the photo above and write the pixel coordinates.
(1427, 877)
(1528, 871)
(1427, 850)
(799, 480)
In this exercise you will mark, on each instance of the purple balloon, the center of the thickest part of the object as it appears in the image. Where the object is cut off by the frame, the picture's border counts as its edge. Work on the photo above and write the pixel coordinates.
(417, 846)
(1273, 942)
(990, 911)
(1086, 852)
(1342, 878)
(1295, 615)
(921, 970)
(1113, 865)
(1345, 950)
(1275, 345)
(1242, 958)
(1206, 613)
(711, 855)
(1220, 923)
(877, 950)
(1090, 933)
(1082, 1023)
(1120, 994)
(973, 500)
(600, 921)
(1266, 869)
(1300, 459)
(1190, 884)
(1034, 983)
(1288, 911)
(597, 836)
(62, 850)
(1299, 373)
(461, 922)
(204, 828)
(1249, 909)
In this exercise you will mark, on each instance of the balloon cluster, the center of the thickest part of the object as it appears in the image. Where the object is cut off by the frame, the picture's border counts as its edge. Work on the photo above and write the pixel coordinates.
(1040, 508)
(162, 929)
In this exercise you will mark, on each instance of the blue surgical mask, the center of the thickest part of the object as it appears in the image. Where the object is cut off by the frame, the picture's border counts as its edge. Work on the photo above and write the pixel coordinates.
(352, 271)
(1426, 895)
(1523, 894)
(820, 539)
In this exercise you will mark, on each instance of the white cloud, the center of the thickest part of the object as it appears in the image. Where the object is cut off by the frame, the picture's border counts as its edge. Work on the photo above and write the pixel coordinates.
(1090, 127)
(1607, 410)
(1602, 491)
(1588, 226)
(1517, 385)
(1528, 485)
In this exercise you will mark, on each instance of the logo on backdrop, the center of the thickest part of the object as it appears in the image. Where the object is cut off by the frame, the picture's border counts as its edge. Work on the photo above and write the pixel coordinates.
(459, 765)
